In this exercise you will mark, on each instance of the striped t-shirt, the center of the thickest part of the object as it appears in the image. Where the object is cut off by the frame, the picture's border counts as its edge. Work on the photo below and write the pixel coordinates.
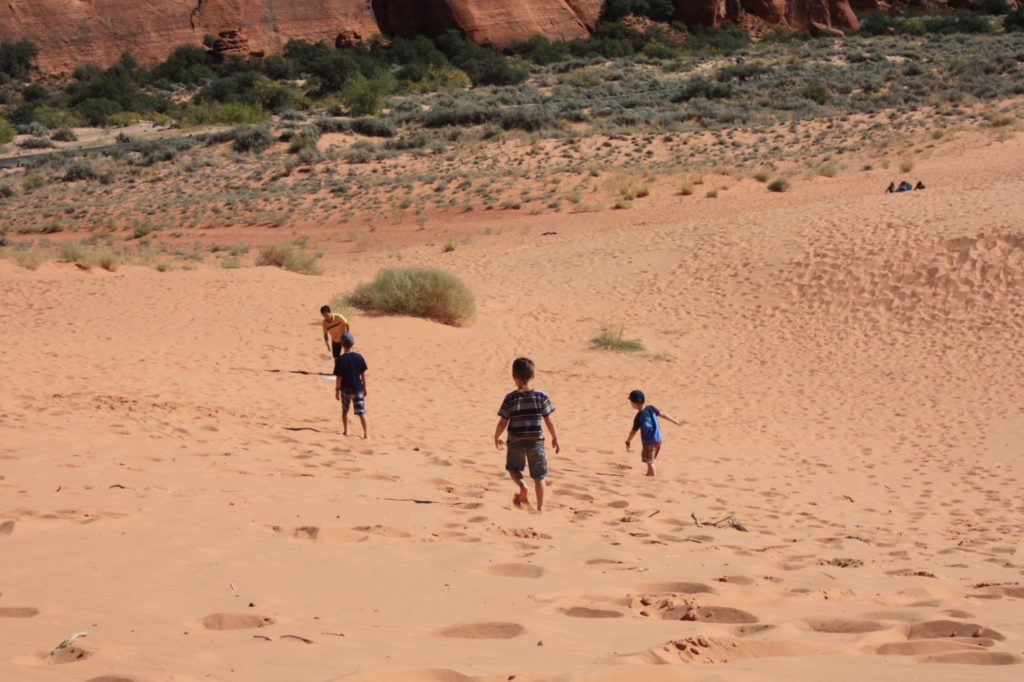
(525, 412)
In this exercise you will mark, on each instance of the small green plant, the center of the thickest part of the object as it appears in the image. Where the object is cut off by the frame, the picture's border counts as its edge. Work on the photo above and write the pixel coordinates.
(761, 176)
(687, 189)
(420, 292)
(449, 245)
(780, 185)
(712, 194)
(285, 257)
(611, 338)
(907, 165)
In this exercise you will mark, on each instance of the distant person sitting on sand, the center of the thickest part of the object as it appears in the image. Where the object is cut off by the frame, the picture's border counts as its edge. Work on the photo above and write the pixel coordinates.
(350, 383)
(646, 422)
(891, 188)
(919, 185)
(522, 412)
(904, 186)
(334, 326)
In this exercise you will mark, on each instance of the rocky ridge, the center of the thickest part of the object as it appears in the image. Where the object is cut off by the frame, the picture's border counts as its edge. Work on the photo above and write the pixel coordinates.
(70, 34)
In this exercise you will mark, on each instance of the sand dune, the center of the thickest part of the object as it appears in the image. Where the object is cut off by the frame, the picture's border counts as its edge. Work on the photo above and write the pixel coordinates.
(847, 363)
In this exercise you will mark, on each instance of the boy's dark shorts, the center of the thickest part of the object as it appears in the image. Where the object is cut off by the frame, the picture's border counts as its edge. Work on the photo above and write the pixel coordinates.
(521, 454)
(355, 400)
(335, 349)
(649, 453)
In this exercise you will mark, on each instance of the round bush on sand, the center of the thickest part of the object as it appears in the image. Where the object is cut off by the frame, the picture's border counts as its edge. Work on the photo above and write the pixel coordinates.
(419, 292)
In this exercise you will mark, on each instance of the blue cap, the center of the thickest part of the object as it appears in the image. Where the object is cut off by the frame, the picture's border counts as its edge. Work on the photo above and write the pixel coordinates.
(636, 396)
(347, 339)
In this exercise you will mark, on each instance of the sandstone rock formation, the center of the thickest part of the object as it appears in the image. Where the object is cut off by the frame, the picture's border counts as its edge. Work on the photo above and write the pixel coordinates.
(823, 16)
(74, 32)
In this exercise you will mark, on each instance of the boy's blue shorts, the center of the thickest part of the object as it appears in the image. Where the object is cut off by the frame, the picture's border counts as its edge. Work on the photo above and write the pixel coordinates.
(521, 454)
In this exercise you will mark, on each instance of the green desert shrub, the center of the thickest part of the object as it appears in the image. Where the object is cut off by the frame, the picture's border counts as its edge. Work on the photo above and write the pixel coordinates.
(780, 185)
(7, 132)
(612, 338)
(251, 139)
(420, 292)
(17, 60)
(79, 170)
(1014, 21)
(285, 257)
(64, 134)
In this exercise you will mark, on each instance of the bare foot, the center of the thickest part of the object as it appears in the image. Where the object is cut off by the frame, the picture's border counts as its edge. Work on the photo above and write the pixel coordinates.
(521, 499)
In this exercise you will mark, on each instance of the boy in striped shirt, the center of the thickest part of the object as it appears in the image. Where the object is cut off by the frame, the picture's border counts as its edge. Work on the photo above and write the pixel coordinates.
(522, 413)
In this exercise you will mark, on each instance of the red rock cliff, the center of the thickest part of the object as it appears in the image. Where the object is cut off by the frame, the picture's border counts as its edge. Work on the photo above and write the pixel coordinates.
(74, 32)
(806, 15)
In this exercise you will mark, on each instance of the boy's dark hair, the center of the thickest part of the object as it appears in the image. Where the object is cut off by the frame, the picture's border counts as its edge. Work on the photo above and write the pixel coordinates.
(325, 308)
(522, 369)
(347, 340)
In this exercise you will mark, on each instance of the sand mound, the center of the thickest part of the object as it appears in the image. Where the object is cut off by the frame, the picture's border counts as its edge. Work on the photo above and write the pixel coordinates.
(18, 612)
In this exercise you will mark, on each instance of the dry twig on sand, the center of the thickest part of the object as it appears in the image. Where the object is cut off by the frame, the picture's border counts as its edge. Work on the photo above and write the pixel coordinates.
(69, 641)
(729, 520)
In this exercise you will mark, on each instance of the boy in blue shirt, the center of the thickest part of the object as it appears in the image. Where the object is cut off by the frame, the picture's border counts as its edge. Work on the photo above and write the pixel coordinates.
(646, 422)
(350, 383)
(523, 412)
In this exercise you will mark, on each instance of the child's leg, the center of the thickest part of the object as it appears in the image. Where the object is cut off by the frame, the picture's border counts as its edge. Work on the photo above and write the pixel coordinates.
(345, 404)
(523, 497)
(538, 486)
(359, 408)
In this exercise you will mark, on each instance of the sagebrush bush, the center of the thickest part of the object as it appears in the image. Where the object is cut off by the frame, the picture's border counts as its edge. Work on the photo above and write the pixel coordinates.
(253, 139)
(780, 185)
(285, 257)
(419, 292)
(613, 338)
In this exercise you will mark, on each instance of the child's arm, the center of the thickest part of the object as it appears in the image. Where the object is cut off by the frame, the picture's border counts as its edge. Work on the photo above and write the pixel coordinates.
(362, 377)
(629, 438)
(551, 430)
(337, 387)
(669, 418)
(502, 423)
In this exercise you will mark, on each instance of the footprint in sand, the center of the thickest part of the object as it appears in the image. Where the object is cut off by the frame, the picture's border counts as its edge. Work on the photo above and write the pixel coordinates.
(844, 626)
(383, 531)
(6, 528)
(18, 612)
(587, 612)
(678, 607)
(235, 621)
(494, 630)
(111, 678)
(939, 629)
(975, 658)
(516, 570)
(700, 649)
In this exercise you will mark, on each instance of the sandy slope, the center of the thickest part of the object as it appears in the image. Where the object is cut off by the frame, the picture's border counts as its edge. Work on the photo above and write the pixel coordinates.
(173, 480)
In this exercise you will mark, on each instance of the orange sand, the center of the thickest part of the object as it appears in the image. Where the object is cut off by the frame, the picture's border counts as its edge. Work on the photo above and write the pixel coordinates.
(849, 366)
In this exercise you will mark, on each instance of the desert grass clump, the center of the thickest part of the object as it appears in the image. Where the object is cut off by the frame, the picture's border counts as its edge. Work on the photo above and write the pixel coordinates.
(612, 338)
(86, 257)
(907, 165)
(779, 185)
(829, 169)
(285, 257)
(419, 292)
